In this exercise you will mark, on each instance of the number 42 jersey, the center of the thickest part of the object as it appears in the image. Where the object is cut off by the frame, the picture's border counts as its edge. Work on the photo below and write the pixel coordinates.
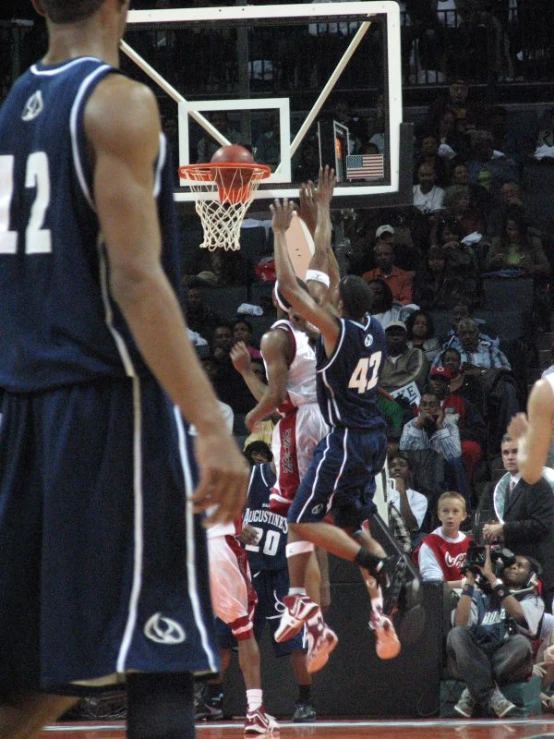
(347, 381)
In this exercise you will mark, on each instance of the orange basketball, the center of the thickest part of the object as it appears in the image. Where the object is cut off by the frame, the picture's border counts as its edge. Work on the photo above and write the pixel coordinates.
(234, 153)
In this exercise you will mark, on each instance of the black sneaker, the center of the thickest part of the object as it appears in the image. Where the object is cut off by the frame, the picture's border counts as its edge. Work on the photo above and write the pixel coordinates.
(391, 577)
(304, 712)
(207, 709)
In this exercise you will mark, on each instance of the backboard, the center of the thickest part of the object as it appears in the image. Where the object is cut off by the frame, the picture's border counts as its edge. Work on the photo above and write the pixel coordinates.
(299, 84)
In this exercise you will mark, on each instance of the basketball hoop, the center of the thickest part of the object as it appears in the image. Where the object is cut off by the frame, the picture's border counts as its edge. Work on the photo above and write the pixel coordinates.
(223, 193)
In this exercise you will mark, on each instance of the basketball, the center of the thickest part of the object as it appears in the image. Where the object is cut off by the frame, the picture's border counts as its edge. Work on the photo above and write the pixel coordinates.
(234, 153)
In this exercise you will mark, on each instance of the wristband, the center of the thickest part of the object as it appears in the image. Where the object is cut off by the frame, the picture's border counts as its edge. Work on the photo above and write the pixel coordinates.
(468, 589)
(317, 275)
(501, 591)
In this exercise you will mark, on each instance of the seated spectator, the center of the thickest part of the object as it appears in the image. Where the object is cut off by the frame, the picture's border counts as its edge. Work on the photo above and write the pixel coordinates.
(229, 384)
(487, 168)
(383, 307)
(402, 365)
(434, 286)
(453, 145)
(428, 197)
(464, 309)
(406, 255)
(467, 386)
(484, 649)
(471, 425)
(478, 194)
(411, 505)
(200, 318)
(516, 249)
(431, 429)
(478, 353)
(421, 334)
(399, 281)
(463, 210)
(511, 194)
(457, 100)
(429, 154)
(442, 553)
(243, 331)
(522, 255)
(484, 360)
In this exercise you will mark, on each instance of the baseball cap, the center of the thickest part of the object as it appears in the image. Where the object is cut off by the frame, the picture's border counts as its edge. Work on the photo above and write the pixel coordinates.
(397, 324)
(441, 372)
(386, 228)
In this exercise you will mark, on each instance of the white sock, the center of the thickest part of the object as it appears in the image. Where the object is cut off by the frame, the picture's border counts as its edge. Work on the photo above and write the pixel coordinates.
(254, 698)
(297, 591)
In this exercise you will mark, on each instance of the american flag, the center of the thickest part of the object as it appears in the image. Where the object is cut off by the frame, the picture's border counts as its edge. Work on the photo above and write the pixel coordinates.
(365, 166)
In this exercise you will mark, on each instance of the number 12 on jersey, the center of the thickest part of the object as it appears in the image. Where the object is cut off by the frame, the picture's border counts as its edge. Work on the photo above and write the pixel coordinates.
(38, 240)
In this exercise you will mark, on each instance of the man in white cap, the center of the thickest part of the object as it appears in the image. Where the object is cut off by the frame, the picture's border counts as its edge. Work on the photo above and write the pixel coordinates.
(399, 280)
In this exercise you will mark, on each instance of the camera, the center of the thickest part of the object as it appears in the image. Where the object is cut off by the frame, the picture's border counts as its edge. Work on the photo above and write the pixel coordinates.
(476, 556)
(429, 426)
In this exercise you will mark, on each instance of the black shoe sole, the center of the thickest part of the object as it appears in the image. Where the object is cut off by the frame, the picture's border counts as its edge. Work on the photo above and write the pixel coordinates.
(397, 581)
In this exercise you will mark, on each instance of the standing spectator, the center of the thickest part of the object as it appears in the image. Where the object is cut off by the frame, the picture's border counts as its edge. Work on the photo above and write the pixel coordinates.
(408, 502)
(524, 517)
(399, 281)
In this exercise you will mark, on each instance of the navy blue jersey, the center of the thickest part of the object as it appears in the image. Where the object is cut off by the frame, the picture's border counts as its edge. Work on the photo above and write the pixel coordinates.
(59, 323)
(270, 551)
(347, 381)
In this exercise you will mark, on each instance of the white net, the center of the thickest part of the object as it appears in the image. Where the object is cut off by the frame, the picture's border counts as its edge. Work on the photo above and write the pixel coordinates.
(224, 192)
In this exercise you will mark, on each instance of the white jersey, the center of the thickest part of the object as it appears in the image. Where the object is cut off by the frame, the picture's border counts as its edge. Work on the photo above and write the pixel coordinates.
(301, 382)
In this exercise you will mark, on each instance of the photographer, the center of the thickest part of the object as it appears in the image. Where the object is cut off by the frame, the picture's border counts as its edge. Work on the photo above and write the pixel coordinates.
(431, 430)
(494, 622)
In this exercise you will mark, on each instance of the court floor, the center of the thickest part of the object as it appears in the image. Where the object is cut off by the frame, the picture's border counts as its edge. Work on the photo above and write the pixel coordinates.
(532, 728)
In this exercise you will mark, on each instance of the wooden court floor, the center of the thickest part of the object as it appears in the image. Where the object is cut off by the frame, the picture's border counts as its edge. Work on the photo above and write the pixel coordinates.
(533, 728)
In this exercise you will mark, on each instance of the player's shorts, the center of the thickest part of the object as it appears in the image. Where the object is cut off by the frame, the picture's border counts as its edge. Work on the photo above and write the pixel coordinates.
(233, 596)
(271, 586)
(293, 443)
(341, 478)
(103, 565)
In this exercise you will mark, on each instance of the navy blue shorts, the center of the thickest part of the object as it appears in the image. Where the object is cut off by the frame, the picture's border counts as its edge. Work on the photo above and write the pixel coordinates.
(103, 565)
(271, 586)
(341, 478)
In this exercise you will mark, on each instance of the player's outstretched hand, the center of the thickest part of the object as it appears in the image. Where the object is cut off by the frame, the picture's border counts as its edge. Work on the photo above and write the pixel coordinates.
(308, 205)
(240, 357)
(518, 426)
(223, 476)
(325, 185)
(282, 212)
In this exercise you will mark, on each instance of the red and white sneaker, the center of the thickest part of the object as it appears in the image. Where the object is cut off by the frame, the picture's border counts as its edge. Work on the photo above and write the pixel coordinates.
(260, 722)
(321, 641)
(387, 644)
(298, 609)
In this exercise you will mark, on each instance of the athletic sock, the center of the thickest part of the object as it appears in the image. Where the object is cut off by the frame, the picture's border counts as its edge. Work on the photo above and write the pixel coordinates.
(304, 693)
(254, 698)
(297, 591)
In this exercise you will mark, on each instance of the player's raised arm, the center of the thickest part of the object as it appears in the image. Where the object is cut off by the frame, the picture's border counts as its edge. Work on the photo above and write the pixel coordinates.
(323, 252)
(122, 127)
(534, 433)
(302, 302)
